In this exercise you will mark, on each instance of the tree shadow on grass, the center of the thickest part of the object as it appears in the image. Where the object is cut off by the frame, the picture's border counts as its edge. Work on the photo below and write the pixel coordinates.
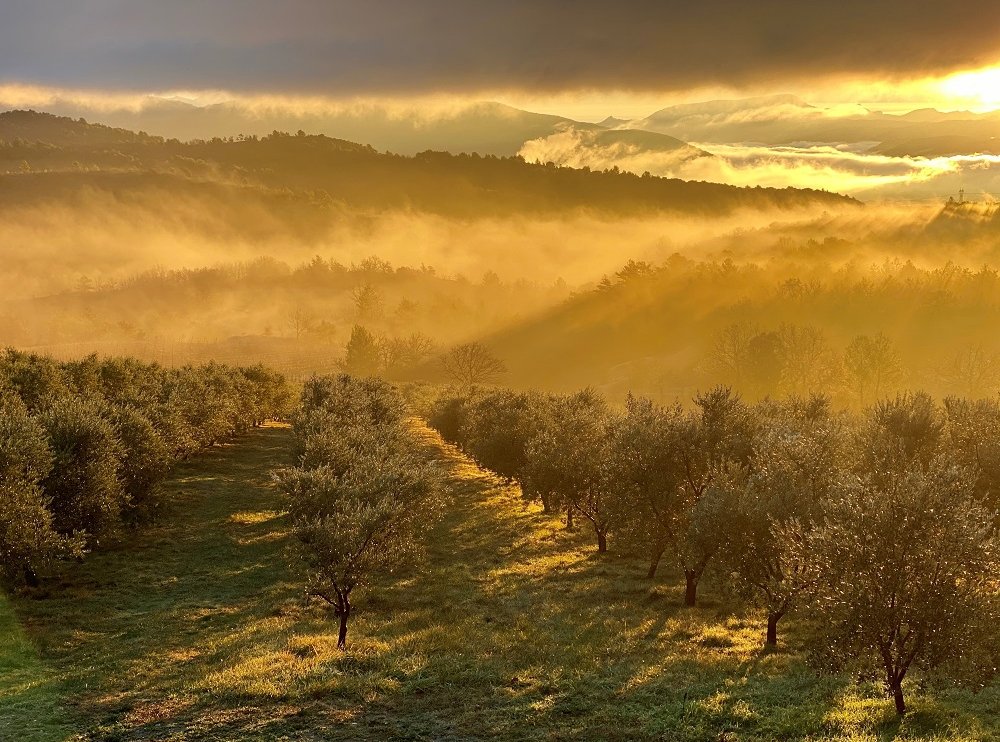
(139, 626)
(513, 629)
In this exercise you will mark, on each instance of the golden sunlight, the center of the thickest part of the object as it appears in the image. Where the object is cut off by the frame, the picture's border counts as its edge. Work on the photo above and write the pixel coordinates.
(979, 89)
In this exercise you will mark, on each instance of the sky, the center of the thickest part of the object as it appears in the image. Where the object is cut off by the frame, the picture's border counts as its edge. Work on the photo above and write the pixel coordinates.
(584, 58)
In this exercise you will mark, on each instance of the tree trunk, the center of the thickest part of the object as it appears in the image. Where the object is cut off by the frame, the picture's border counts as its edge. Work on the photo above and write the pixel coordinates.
(546, 504)
(690, 588)
(602, 541)
(772, 628)
(569, 519)
(30, 578)
(654, 560)
(344, 612)
(897, 696)
(342, 636)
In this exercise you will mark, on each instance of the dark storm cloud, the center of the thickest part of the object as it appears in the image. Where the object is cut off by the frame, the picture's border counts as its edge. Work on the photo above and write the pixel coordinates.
(393, 46)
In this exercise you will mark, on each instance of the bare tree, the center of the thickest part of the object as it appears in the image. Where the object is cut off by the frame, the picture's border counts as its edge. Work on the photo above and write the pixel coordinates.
(300, 322)
(472, 364)
(973, 372)
(872, 366)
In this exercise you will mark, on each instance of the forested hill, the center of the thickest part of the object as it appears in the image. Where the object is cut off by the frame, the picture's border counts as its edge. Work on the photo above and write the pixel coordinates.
(31, 127)
(357, 175)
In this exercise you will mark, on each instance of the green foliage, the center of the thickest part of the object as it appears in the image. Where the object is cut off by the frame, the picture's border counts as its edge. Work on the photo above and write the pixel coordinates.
(29, 542)
(907, 567)
(360, 498)
(86, 442)
(144, 459)
(37, 380)
(498, 426)
(567, 462)
(899, 433)
(448, 417)
(649, 466)
(83, 487)
(799, 453)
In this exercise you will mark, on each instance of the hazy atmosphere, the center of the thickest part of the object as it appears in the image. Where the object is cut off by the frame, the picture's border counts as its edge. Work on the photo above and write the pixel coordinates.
(499, 370)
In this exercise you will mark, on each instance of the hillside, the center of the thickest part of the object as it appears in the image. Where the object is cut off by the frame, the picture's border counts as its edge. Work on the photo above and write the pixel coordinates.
(486, 128)
(359, 176)
(790, 311)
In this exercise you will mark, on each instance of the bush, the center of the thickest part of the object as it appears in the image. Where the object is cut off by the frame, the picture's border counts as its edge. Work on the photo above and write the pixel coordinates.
(144, 459)
(84, 442)
(29, 543)
(448, 417)
(85, 492)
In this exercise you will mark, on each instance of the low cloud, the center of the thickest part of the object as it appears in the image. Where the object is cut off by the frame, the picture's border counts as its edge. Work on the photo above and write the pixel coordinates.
(851, 169)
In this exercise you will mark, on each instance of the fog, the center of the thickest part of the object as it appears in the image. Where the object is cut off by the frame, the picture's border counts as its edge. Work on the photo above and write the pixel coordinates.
(95, 236)
(851, 168)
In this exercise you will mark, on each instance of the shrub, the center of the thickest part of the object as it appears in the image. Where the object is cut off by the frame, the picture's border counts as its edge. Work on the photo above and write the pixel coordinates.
(143, 459)
(83, 487)
(29, 543)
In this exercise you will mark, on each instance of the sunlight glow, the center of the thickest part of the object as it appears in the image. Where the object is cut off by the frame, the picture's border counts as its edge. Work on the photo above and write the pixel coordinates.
(980, 88)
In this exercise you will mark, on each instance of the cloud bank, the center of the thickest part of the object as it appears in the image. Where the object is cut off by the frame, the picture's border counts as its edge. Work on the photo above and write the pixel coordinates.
(341, 47)
(846, 168)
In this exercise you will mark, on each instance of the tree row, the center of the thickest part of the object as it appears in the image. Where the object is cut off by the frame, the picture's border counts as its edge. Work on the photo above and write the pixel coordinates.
(881, 525)
(85, 444)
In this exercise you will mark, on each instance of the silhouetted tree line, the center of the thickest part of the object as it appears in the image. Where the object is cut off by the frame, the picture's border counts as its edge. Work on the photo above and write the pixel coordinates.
(880, 525)
(85, 444)
(461, 185)
(362, 497)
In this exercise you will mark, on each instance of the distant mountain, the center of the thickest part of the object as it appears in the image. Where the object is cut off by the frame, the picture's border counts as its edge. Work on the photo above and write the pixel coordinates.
(786, 119)
(613, 123)
(626, 149)
(648, 140)
(716, 112)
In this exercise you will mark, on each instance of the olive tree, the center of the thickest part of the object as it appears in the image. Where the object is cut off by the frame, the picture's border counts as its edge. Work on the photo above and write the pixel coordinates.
(568, 459)
(83, 488)
(498, 427)
(898, 434)
(360, 526)
(447, 417)
(973, 437)
(908, 568)
(143, 459)
(713, 449)
(649, 465)
(798, 456)
(29, 542)
(362, 497)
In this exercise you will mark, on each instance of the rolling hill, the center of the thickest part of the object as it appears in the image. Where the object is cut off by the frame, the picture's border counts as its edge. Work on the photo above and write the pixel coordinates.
(40, 152)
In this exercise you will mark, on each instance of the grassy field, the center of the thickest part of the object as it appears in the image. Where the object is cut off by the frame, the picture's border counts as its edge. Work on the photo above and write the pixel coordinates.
(515, 629)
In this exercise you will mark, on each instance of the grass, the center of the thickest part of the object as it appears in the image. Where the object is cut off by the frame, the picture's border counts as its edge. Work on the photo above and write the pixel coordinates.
(514, 629)
(29, 696)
